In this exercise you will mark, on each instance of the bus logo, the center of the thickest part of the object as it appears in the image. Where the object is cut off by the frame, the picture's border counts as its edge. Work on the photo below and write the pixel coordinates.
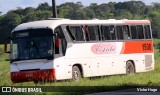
(104, 48)
(6, 89)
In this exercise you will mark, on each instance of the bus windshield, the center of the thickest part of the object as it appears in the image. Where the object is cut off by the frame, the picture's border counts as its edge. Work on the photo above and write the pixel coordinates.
(32, 44)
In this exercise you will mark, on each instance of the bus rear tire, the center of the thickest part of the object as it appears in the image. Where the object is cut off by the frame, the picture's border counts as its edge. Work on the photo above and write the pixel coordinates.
(130, 68)
(76, 74)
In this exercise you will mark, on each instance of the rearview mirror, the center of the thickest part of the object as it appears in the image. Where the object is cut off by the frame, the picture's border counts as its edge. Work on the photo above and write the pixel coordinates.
(6, 43)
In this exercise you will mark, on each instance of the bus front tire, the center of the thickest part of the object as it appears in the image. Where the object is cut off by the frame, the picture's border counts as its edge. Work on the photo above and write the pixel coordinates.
(76, 74)
(130, 68)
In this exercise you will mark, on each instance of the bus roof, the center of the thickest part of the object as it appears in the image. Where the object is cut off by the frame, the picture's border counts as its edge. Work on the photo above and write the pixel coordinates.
(53, 23)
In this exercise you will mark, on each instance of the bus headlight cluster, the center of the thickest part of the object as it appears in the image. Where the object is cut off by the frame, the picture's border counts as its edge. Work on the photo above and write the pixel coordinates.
(29, 75)
(46, 72)
(14, 74)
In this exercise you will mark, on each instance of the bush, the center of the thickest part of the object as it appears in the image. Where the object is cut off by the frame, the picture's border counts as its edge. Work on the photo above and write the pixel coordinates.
(1, 51)
(158, 46)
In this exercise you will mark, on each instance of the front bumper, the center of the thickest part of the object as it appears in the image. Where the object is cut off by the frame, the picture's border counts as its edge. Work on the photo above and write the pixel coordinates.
(34, 75)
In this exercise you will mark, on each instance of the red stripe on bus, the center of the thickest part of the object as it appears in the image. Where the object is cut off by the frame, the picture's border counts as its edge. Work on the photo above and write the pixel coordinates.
(36, 75)
(138, 47)
(123, 48)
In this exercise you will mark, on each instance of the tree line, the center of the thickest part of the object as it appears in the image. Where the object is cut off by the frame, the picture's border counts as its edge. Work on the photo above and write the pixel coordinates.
(112, 10)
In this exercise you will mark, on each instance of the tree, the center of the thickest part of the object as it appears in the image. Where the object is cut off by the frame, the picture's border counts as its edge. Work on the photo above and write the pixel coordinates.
(64, 10)
(12, 19)
(123, 14)
(89, 13)
(43, 6)
(78, 14)
(135, 7)
(147, 10)
(154, 15)
(37, 15)
(71, 10)
(28, 10)
(156, 6)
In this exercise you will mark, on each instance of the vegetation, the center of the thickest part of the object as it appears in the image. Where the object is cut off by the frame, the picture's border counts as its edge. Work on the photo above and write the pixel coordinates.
(112, 10)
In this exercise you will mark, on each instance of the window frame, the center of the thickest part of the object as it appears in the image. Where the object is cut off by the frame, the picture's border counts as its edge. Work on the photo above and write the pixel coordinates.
(120, 33)
(109, 26)
(134, 31)
(70, 33)
(150, 31)
(100, 32)
(139, 33)
(96, 32)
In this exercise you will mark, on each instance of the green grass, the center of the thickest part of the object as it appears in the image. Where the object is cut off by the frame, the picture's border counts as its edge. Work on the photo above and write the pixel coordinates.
(151, 78)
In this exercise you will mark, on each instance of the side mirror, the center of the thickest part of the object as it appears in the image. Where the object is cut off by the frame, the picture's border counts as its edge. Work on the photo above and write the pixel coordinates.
(55, 35)
(6, 43)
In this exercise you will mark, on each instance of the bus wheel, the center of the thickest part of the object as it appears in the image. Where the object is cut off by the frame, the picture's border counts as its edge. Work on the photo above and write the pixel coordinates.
(130, 68)
(76, 74)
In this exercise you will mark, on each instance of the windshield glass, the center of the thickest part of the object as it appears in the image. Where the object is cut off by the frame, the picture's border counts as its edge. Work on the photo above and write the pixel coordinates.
(32, 44)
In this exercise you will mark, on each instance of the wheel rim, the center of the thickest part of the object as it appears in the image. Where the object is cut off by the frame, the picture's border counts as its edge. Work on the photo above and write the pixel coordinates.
(76, 75)
(130, 70)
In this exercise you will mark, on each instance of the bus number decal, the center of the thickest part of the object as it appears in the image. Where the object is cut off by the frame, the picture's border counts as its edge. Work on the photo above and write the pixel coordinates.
(104, 48)
(146, 46)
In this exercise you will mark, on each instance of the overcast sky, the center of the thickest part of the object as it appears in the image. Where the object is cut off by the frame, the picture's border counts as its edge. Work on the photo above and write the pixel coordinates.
(6, 5)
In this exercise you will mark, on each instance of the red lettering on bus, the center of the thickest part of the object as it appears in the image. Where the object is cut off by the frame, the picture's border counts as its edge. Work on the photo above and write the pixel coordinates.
(104, 48)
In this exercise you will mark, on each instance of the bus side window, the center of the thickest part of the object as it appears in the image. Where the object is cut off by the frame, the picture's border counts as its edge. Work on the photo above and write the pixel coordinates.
(112, 32)
(140, 32)
(126, 32)
(60, 41)
(134, 32)
(91, 33)
(70, 34)
(147, 31)
(86, 32)
(99, 33)
(77, 32)
(120, 33)
(106, 33)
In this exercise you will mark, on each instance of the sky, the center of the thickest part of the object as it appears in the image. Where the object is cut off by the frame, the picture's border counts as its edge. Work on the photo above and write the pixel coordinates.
(6, 5)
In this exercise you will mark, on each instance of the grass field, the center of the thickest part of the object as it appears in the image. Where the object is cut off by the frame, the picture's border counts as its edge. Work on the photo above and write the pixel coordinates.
(151, 78)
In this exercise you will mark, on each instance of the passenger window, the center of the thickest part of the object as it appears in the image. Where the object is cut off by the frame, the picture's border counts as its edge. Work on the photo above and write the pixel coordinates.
(112, 31)
(77, 33)
(140, 32)
(147, 31)
(91, 33)
(108, 33)
(126, 32)
(120, 33)
(134, 32)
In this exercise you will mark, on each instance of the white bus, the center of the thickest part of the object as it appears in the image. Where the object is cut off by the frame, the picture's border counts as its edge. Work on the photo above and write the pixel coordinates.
(59, 49)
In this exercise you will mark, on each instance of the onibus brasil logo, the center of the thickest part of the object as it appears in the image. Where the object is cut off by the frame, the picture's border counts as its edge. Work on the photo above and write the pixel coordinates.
(21, 89)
